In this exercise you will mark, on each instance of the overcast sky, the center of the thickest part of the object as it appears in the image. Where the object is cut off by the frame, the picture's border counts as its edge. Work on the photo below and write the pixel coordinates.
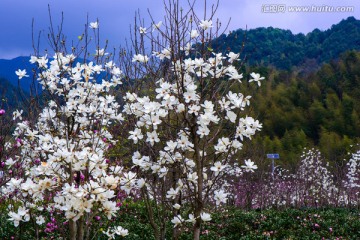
(115, 17)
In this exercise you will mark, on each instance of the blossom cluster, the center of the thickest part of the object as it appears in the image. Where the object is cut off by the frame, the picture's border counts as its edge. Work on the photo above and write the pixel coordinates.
(352, 179)
(353, 174)
(314, 171)
(196, 147)
(64, 153)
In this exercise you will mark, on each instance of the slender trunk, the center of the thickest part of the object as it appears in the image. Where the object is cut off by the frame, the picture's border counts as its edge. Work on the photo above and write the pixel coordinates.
(162, 219)
(197, 233)
(197, 225)
(72, 228)
(87, 233)
(151, 214)
(200, 184)
(175, 234)
(81, 228)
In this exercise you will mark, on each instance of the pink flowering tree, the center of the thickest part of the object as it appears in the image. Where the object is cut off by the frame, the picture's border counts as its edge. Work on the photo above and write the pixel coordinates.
(188, 121)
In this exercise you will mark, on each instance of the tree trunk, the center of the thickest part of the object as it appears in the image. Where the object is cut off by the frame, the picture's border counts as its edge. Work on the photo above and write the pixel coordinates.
(72, 228)
(81, 228)
(150, 213)
(200, 184)
(196, 232)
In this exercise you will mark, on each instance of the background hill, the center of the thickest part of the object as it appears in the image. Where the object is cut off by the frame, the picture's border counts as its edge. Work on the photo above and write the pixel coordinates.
(284, 50)
(320, 109)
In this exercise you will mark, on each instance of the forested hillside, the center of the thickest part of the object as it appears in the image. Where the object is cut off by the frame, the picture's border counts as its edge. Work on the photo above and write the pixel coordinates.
(320, 109)
(285, 50)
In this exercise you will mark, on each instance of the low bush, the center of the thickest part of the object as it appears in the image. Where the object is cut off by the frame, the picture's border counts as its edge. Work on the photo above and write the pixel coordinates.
(227, 224)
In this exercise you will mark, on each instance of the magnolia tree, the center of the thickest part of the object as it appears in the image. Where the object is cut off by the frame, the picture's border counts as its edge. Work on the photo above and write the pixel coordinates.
(187, 126)
(315, 182)
(63, 154)
(352, 181)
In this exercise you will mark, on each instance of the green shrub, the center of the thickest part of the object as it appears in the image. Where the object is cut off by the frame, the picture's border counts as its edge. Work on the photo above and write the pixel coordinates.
(226, 224)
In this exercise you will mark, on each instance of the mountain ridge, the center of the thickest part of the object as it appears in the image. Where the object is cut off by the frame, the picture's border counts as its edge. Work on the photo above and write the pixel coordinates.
(283, 49)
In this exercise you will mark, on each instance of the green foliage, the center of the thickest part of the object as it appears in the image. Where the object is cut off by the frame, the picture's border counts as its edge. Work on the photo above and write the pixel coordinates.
(229, 224)
(133, 216)
(319, 109)
(284, 50)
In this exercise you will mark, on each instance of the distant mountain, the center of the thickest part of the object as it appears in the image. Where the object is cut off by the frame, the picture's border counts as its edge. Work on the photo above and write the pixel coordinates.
(283, 49)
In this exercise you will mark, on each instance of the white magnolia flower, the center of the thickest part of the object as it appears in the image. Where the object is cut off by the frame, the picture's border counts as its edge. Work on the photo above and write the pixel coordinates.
(157, 26)
(172, 193)
(140, 183)
(21, 73)
(10, 162)
(94, 25)
(140, 58)
(217, 168)
(100, 53)
(194, 33)
(249, 166)
(232, 57)
(121, 231)
(177, 206)
(220, 197)
(206, 217)
(231, 116)
(177, 220)
(17, 115)
(256, 78)
(192, 177)
(152, 138)
(136, 135)
(40, 220)
(191, 218)
(203, 131)
(206, 24)
(21, 215)
(223, 145)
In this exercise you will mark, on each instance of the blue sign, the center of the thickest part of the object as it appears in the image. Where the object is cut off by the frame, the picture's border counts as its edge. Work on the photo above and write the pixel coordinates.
(273, 155)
